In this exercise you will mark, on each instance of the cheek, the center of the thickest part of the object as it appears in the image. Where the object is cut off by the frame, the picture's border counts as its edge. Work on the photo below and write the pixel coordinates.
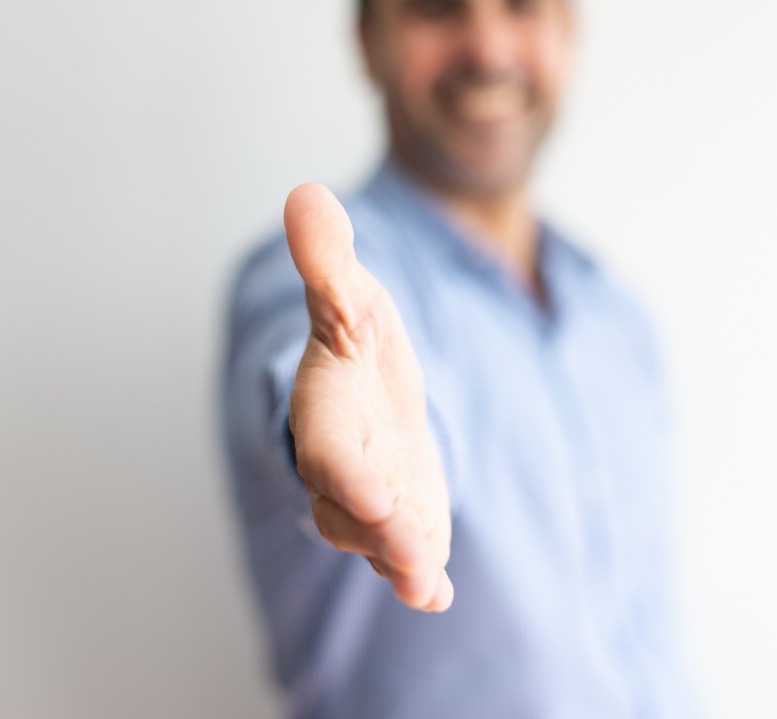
(551, 54)
(418, 62)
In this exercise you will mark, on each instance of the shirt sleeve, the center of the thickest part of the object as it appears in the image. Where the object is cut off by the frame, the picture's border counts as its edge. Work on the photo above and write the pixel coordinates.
(267, 332)
(301, 581)
(268, 328)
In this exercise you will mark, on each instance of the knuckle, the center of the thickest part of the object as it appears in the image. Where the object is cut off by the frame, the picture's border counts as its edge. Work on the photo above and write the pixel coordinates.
(326, 526)
(305, 463)
(325, 530)
(380, 568)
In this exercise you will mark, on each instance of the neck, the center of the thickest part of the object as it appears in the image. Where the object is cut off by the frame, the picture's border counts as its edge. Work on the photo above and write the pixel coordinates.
(503, 225)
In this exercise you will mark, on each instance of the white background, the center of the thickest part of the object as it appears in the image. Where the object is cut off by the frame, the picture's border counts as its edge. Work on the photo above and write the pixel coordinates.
(145, 144)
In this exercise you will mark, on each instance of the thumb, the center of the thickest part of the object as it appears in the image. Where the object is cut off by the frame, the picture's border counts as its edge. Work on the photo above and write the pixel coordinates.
(320, 238)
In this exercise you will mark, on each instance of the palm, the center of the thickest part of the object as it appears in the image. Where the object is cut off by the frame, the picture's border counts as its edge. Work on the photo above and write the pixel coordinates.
(359, 414)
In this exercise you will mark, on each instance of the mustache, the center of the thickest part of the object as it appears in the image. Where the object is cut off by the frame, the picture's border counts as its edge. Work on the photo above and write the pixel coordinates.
(468, 77)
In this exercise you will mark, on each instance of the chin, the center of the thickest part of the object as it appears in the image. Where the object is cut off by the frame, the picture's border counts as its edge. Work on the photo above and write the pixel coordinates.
(485, 186)
(487, 176)
(475, 165)
(488, 163)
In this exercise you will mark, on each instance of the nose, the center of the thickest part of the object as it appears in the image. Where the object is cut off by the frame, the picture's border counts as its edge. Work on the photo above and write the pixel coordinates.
(489, 39)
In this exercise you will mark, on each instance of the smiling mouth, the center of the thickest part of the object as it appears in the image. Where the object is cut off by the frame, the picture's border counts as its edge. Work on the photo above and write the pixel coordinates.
(485, 104)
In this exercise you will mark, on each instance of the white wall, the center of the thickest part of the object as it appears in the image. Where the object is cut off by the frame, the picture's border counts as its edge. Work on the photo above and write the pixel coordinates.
(144, 144)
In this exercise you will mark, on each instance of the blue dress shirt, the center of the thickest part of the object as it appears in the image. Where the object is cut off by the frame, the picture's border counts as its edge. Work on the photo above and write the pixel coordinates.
(552, 426)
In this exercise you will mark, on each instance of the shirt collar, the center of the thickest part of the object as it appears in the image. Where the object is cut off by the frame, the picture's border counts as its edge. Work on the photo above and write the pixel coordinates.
(562, 265)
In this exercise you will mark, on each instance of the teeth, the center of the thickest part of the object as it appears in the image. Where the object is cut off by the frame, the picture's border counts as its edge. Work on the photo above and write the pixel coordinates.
(495, 102)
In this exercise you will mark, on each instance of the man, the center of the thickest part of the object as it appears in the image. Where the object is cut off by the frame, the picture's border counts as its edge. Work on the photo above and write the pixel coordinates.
(469, 401)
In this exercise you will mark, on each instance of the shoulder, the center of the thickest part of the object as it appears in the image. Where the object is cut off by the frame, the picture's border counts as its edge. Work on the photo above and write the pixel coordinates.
(264, 278)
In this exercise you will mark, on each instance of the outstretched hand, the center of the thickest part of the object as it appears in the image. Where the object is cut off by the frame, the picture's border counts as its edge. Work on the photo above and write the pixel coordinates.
(358, 414)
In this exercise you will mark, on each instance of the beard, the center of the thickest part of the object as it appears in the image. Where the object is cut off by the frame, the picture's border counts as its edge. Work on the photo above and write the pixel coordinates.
(476, 134)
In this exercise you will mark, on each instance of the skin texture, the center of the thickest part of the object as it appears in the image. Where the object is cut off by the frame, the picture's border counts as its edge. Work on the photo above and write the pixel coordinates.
(471, 88)
(358, 414)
